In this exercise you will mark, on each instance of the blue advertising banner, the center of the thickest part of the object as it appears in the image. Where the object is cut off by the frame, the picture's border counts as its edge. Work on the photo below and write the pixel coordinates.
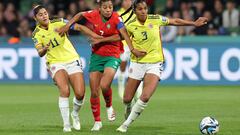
(186, 64)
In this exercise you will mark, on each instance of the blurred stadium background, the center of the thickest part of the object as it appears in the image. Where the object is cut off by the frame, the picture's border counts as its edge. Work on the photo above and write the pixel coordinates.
(201, 78)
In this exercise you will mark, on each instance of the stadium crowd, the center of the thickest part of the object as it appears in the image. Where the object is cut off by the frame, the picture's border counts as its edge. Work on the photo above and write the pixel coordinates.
(16, 17)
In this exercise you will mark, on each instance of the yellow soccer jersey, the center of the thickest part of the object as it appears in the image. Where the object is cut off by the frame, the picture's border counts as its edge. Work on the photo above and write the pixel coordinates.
(61, 49)
(147, 37)
(125, 17)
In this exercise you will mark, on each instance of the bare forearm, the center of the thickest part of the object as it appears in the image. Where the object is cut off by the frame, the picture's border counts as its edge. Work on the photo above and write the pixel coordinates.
(112, 38)
(84, 29)
(76, 18)
(181, 22)
(127, 38)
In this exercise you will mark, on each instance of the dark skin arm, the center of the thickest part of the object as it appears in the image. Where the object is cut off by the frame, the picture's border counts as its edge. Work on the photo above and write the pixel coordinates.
(86, 31)
(65, 28)
(117, 37)
(180, 22)
(112, 38)
(137, 53)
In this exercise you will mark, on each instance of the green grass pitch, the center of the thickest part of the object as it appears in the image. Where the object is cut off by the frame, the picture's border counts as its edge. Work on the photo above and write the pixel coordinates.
(173, 110)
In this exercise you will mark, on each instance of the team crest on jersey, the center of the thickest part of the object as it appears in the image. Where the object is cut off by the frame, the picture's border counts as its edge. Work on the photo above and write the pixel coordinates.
(150, 26)
(108, 26)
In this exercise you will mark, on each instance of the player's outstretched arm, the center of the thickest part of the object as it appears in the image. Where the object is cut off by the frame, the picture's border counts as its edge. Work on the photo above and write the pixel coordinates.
(65, 28)
(180, 22)
(86, 31)
(136, 52)
(112, 38)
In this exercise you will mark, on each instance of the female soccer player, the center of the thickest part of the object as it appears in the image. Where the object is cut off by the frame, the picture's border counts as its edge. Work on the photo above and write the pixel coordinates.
(63, 63)
(105, 55)
(144, 31)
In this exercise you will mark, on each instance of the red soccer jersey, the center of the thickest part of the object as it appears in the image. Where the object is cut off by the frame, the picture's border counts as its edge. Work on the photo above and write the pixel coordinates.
(106, 29)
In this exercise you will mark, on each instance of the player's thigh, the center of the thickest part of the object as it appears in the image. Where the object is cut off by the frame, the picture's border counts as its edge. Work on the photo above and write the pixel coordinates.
(130, 89)
(78, 83)
(107, 77)
(61, 79)
(150, 84)
(110, 68)
(94, 80)
(75, 72)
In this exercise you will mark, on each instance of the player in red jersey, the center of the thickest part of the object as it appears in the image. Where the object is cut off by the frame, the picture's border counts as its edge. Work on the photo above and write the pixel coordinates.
(105, 58)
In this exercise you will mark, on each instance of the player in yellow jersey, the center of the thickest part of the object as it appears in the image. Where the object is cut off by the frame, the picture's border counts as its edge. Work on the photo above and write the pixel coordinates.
(127, 14)
(63, 63)
(145, 36)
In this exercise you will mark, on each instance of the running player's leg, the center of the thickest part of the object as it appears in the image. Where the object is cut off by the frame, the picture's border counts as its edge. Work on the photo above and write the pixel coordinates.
(78, 85)
(76, 78)
(110, 67)
(139, 91)
(95, 78)
(61, 79)
(105, 85)
(150, 84)
(130, 90)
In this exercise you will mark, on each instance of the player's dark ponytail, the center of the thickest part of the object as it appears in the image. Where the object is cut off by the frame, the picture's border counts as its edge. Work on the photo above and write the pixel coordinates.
(126, 12)
(130, 16)
(36, 9)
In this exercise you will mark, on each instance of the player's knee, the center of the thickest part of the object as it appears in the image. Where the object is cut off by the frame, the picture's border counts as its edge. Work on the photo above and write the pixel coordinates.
(95, 94)
(104, 86)
(127, 99)
(145, 98)
(64, 90)
(65, 93)
(79, 96)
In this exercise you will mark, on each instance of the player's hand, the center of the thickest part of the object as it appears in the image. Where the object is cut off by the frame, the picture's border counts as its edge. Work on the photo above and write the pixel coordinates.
(138, 53)
(95, 41)
(201, 21)
(46, 47)
(61, 31)
(96, 36)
